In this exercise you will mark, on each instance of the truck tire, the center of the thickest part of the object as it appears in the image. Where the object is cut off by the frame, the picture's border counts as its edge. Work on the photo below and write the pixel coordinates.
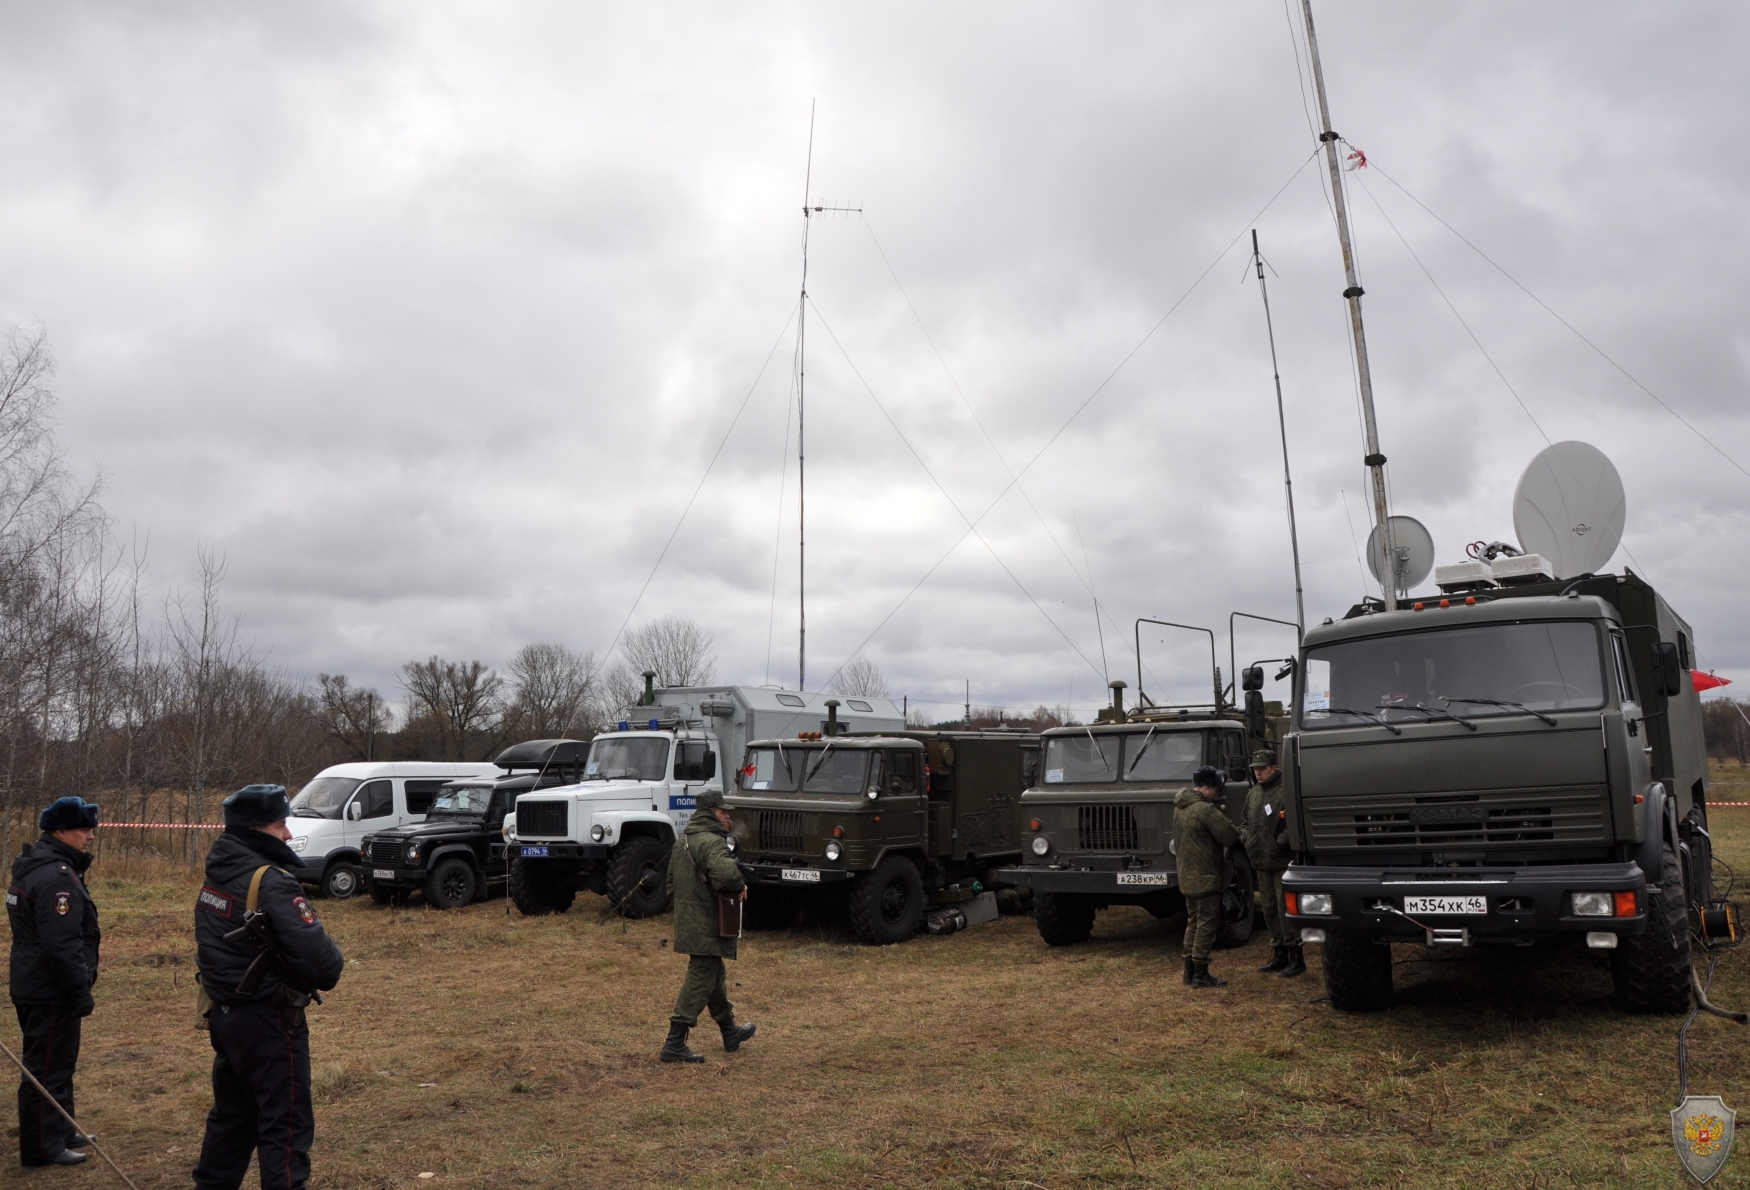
(1653, 969)
(341, 881)
(1064, 919)
(638, 877)
(1357, 972)
(888, 903)
(768, 909)
(1236, 928)
(539, 887)
(451, 884)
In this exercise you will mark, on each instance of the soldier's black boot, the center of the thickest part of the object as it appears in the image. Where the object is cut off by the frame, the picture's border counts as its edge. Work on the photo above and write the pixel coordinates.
(1296, 963)
(1201, 978)
(1188, 967)
(1278, 959)
(734, 1034)
(675, 1048)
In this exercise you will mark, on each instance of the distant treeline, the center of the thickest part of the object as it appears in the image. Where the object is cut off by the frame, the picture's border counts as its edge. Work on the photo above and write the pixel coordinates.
(1724, 726)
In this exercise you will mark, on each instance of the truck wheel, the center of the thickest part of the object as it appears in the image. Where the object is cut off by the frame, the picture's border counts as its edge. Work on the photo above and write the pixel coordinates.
(1357, 972)
(638, 877)
(1236, 929)
(768, 909)
(887, 904)
(1653, 969)
(539, 887)
(450, 885)
(1064, 919)
(341, 881)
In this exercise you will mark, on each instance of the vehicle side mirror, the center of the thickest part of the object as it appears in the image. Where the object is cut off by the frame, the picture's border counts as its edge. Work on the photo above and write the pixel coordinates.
(1667, 669)
(1252, 678)
(355, 811)
(1236, 768)
(1256, 724)
(710, 766)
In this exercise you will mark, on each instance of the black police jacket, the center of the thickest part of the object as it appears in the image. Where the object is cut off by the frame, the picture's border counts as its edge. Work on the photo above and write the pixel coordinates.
(311, 957)
(54, 926)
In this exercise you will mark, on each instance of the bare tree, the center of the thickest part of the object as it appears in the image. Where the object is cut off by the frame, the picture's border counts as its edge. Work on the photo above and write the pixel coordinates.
(860, 678)
(676, 649)
(555, 690)
(351, 715)
(463, 701)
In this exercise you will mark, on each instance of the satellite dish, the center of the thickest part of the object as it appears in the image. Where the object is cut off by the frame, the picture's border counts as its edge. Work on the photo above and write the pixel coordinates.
(1412, 551)
(1569, 507)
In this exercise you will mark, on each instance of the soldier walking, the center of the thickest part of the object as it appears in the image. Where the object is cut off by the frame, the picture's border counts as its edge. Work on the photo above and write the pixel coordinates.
(1267, 848)
(54, 964)
(699, 869)
(261, 1043)
(1201, 836)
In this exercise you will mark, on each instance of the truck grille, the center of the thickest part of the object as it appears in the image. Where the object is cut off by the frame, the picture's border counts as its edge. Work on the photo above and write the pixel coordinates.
(1466, 821)
(1106, 828)
(780, 830)
(540, 820)
(384, 851)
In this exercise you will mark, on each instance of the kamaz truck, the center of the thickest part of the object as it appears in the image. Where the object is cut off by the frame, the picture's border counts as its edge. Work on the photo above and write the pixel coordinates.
(887, 821)
(1503, 767)
(612, 831)
(1098, 824)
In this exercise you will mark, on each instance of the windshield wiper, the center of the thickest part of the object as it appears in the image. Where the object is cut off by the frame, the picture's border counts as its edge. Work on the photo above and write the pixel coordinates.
(1098, 751)
(1500, 702)
(306, 812)
(809, 775)
(1369, 715)
(1146, 741)
(1428, 710)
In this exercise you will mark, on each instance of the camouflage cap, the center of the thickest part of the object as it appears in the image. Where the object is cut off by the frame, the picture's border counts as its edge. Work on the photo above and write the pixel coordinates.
(709, 799)
(1263, 758)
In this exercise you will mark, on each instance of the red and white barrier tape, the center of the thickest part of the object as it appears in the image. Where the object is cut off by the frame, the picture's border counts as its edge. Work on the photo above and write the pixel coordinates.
(170, 826)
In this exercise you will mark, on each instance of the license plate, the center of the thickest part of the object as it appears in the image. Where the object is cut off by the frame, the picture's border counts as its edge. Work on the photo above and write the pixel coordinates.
(528, 851)
(1145, 878)
(382, 874)
(806, 875)
(1471, 905)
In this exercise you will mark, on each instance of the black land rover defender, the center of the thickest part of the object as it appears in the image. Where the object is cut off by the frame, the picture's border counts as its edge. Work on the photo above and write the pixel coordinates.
(457, 854)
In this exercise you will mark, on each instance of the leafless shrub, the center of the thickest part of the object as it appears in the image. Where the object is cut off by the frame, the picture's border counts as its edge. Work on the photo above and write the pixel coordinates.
(860, 678)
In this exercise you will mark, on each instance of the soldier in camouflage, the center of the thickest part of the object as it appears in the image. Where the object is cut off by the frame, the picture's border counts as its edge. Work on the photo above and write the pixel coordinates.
(1201, 836)
(699, 868)
(1267, 848)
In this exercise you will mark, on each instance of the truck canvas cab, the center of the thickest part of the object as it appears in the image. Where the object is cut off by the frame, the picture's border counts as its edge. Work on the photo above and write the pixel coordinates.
(884, 819)
(1518, 765)
(457, 854)
(1099, 822)
(611, 831)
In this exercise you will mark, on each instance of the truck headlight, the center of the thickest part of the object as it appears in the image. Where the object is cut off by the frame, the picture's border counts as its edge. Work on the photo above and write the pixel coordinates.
(1041, 845)
(299, 842)
(1317, 904)
(833, 850)
(413, 852)
(597, 833)
(1594, 904)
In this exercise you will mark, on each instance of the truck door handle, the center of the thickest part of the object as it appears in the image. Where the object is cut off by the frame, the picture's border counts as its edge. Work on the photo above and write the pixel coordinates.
(1648, 749)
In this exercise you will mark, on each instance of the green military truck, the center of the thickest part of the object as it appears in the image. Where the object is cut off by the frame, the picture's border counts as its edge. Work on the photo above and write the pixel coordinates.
(886, 821)
(1511, 766)
(1098, 825)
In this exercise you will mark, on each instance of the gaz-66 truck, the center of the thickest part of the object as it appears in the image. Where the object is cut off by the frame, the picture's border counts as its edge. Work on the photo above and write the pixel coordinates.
(1098, 825)
(884, 820)
(1515, 765)
(611, 832)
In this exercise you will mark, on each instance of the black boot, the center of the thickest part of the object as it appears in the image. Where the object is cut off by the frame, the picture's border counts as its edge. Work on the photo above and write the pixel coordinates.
(1201, 978)
(1188, 966)
(675, 1048)
(1278, 959)
(734, 1034)
(1296, 963)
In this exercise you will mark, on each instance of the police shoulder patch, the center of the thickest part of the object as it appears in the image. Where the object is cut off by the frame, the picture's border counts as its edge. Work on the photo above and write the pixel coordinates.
(305, 910)
(63, 903)
(214, 901)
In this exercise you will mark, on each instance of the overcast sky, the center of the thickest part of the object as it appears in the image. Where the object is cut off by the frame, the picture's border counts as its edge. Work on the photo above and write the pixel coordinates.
(432, 316)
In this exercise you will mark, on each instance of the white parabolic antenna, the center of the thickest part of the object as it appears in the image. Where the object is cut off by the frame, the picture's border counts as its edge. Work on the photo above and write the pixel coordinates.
(1412, 552)
(1570, 507)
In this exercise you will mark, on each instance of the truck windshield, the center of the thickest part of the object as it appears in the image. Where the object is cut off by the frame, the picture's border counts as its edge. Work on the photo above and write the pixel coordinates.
(810, 770)
(1164, 756)
(469, 800)
(1079, 759)
(1478, 671)
(323, 797)
(631, 758)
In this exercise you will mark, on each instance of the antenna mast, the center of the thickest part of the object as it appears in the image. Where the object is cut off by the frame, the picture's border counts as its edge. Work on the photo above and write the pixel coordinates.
(1282, 423)
(801, 389)
(1375, 461)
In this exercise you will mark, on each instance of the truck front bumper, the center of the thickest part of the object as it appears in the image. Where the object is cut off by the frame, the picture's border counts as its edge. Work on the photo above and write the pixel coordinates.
(1518, 905)
(396, 877)
(540, 849)
(792, 875)
(1104, 878)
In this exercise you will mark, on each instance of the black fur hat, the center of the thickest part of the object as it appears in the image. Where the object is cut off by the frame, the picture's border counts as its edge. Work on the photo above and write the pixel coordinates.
(1209, 777)
(257, 805)
(69, 814)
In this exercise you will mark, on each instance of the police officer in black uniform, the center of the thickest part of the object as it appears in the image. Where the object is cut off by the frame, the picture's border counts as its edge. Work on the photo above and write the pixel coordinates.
(54, 964)
(261, 1044)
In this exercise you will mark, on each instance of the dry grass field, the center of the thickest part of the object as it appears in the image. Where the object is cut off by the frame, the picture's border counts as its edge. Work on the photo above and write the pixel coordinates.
(497, 1051)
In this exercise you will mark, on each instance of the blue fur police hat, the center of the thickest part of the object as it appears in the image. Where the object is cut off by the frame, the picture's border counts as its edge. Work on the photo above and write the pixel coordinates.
(69, 814)
(257, 805)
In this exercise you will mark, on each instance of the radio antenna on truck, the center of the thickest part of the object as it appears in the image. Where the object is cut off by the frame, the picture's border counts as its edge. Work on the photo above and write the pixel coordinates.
(1282, 423)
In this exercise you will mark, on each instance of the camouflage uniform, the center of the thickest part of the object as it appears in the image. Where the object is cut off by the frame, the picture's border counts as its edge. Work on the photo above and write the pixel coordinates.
(1201, 836)
(700, 868)
(1267, 847)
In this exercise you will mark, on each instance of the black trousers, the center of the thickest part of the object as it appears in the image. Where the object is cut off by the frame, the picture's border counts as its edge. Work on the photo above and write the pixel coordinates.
(51, 1050)
(261, 1098)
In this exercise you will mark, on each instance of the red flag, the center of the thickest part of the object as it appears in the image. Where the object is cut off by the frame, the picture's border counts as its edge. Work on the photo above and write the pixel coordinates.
(1707, 681)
